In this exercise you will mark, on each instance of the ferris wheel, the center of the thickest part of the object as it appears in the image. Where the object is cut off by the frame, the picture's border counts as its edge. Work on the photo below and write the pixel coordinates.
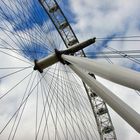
(48, 86)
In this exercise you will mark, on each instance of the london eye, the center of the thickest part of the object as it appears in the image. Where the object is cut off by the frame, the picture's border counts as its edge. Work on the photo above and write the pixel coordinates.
(59, 72)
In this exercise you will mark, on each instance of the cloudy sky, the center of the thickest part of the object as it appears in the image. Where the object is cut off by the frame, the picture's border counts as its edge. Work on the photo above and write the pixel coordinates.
(27, 34)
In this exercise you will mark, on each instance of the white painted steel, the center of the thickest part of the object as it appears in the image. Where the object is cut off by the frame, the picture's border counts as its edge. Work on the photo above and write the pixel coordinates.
(125, 111)
(114, 73)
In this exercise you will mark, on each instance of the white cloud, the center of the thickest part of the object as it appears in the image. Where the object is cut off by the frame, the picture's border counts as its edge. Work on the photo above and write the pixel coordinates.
(103, 17)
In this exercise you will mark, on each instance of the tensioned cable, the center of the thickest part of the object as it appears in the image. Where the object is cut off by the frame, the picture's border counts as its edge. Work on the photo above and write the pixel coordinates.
(45, 114)
(34, 16)
(35, 26)
(66, 85)
(56, 111)
(44, 109)
(53, 106)
(63, 88)
(130, 58)
(23, 21)
(6, 43)
(89, 113)
(20, 10)
(19, 50)
(29, 94)
(114, 56)
(72, 118)
(58, 121)
(66, 81)
(36, 134)
(71, 98)
(20, 116)
(82, 101)
(111, 52)
(129, 40)
(53, 116)
(78, 86)
(11, 25)
(37, 108)
(138, 92)
(64, 78)
(108, 59)
(43, 29)
(122, 55)
(52, 41)
(15, 114)
(59, 111)
(12, 73)
(16, 57)
(73, 102)
(14, 86)
(64, 95)
(24, 38)
(124, 38)
(3, 68)
(129, 36)
(16, 117)
(54, 91)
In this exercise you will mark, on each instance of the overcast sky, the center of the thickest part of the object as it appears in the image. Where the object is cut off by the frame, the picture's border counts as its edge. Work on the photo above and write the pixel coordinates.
(88, 18)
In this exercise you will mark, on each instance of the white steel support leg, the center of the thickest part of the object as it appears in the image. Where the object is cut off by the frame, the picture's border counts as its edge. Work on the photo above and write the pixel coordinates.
(114, 73)
(125, 111)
